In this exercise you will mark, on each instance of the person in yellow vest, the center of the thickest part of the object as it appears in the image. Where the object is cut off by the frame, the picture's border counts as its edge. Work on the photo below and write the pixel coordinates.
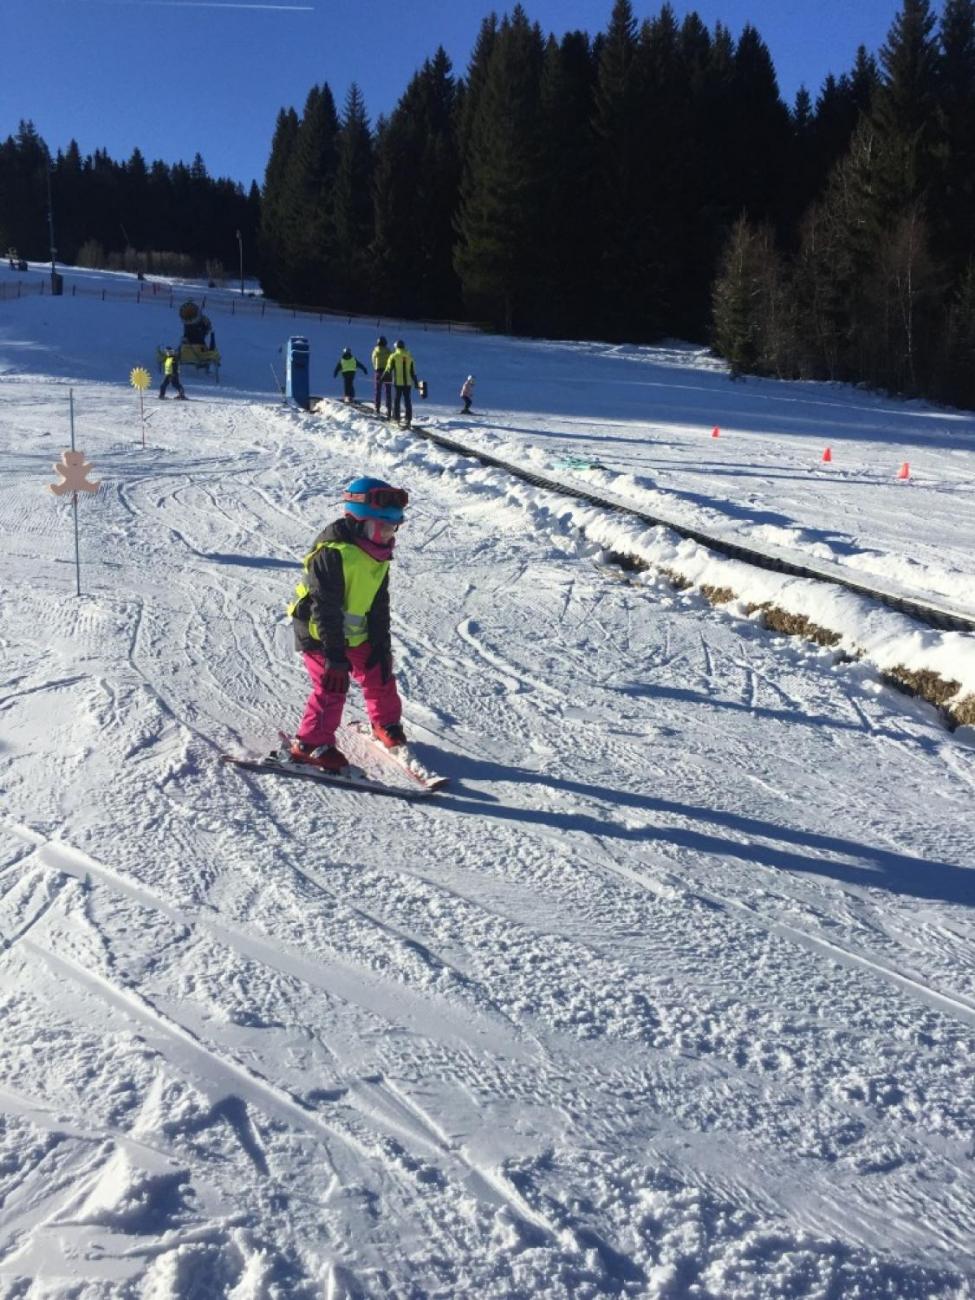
(171, 375)
(340, 617)
(347, 365)
(402, 371)
(380, 356)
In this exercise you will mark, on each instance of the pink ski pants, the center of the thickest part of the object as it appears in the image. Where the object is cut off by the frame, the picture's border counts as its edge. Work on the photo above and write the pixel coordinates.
(323, 712)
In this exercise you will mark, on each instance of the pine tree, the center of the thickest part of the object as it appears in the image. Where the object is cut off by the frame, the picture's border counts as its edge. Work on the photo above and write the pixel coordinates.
(416, 182)
(834, 122)
(471, 89)
(763, 129)
(898, 282)
(952, 207)
(161, 234)
(754, 319)
(666, 187)
(23, 197)
(904, 109)
(133, 208)
(566, 277)
(840, 243)
(618, 126)
(496, 255)
(352, 202)
(737, 301)
(863, 82)
(272, 252)
(306, 217)
(802, 176)
(955, 375)
(703, 222)
(66, 183)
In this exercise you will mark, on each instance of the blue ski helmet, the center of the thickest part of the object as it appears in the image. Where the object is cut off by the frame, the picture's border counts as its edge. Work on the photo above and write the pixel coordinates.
(371, 498)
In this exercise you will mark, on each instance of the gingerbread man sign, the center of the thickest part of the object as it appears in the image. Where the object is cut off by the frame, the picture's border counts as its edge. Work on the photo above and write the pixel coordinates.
(73, 469)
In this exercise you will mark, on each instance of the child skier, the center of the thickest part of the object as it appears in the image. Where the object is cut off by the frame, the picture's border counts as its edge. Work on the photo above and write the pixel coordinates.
(401, 369)
(348, 365)
(171, 374)
(467, 394)
(380, 356)
(341, 622)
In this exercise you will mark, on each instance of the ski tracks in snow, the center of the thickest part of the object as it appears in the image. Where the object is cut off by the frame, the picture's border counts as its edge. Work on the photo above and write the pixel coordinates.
(613, 1016)
(369, 1116)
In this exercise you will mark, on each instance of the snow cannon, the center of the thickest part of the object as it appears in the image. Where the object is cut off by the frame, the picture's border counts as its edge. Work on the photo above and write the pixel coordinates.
(198, 346)
(196, 326)
(197, 355)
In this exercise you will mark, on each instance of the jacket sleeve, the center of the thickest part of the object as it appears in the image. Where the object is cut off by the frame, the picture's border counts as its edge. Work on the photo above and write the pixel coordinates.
(361, 366)
(326, 590)
(338, 367)
(377, 620)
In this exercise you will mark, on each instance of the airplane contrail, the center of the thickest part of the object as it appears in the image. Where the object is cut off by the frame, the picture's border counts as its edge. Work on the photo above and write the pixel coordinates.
(207, 4)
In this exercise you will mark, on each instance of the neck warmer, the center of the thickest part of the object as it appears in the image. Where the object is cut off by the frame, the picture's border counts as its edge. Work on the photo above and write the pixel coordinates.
(378, 550)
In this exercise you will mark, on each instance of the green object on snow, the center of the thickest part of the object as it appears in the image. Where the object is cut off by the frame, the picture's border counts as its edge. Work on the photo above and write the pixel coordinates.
(578, 462)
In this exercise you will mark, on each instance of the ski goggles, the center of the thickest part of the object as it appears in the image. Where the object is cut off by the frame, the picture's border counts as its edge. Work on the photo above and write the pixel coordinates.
(380, 497)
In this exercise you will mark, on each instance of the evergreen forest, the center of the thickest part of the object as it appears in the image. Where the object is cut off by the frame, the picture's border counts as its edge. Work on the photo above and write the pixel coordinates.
(133, 215)
(644, 182)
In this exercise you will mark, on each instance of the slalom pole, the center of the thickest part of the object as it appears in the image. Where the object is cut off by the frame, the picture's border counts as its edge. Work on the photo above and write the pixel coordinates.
(74, 504)
(140, 379)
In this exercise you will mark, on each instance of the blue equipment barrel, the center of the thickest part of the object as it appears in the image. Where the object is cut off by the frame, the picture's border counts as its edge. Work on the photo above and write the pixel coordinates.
(297, 382)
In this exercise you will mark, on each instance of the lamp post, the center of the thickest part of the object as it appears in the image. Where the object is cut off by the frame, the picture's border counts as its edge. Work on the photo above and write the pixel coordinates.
(50, 228)
(240, 249)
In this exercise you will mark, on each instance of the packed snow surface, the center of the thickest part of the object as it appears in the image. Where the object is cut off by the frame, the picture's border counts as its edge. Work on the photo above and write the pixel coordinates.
(670, 993)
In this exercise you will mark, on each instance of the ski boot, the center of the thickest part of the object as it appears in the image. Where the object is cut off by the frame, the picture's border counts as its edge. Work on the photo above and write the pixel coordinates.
(326, 757)
(392, 736)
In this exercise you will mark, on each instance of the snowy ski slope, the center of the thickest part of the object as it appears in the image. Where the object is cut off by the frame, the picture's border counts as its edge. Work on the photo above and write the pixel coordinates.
(670, 993)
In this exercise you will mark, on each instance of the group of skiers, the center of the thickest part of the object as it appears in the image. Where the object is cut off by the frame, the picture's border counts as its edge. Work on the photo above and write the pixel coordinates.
(394, 378)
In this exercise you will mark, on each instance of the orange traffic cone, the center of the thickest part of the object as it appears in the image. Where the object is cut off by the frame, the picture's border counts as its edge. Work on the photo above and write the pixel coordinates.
(827, 454)
(904, 471)
(715, 432)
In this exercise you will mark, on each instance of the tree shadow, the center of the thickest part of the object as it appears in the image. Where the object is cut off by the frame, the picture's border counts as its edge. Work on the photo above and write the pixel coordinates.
(793, 716)
(851, 863)
(248, 561)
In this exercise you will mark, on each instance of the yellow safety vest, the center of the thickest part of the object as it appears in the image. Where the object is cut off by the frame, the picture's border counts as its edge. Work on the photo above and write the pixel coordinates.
(347, 363)
(169, 365)
(363, 578)
(400, 364)
(380, 356)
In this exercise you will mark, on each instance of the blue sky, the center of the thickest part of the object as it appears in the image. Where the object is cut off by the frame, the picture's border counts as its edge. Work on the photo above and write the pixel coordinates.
(174, 77)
